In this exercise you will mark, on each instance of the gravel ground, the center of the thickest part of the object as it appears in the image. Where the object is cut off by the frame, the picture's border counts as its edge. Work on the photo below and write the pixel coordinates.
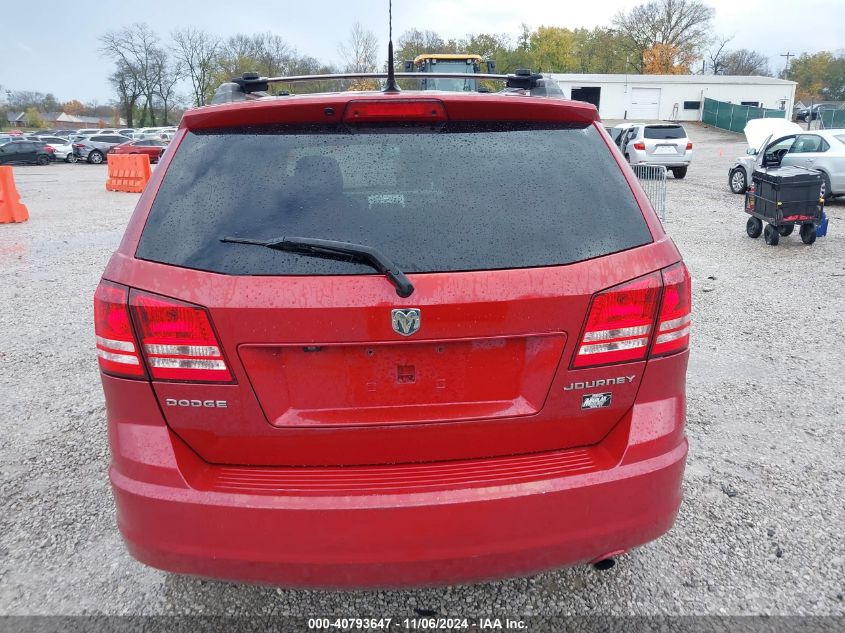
(760, 530)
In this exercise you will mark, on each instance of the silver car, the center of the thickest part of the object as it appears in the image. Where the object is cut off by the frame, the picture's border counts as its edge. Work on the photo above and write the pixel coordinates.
(62, 147)
(664, 144)
(94, 148)
(822, 150)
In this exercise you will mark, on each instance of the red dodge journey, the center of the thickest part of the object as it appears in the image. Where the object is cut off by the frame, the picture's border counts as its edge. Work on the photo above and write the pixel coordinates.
(367, 339)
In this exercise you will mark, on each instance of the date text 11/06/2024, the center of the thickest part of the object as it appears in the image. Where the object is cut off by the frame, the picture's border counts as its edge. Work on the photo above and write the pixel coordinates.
(417, 624)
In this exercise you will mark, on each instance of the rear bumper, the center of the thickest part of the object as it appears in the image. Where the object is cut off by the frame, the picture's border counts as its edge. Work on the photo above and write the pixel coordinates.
(456, 522)
(641, 158)
(442, 537)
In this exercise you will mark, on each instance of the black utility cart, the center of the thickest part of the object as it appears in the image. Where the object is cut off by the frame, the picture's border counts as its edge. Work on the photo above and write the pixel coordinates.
(783, 197)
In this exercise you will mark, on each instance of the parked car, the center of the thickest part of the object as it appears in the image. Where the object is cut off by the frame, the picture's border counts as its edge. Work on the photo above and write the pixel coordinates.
(822, 150)
(88, 131)
(94, 148)
(812, 113)
(127, 132)
(757, 134)
(148, 132)
(25, 152)
(62, 147)
(167, 134)
(401, 340)
(664, 144)
(151, 147)
(615, 131)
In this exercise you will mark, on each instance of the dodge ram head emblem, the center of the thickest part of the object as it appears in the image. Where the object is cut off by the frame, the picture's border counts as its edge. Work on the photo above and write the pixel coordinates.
(406, 322)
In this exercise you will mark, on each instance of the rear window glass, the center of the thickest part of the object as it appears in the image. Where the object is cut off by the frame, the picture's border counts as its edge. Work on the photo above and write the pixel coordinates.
(664, 131)
(460, 197)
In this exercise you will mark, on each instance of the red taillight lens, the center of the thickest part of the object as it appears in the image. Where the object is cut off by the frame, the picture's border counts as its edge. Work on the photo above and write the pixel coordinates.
(116, 348)
(673, 326)
(640, 146)
(689, 146)
(49, 149)
(178, 340)
(417, 110)
(619, 323)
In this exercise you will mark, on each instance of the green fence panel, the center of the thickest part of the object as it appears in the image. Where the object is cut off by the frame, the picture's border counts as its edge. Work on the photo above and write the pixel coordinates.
(833, 118)
(711, 107)
(733, 117)
(724, 116)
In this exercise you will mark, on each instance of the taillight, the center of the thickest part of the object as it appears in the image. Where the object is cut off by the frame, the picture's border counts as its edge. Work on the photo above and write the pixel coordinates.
(619, 323)
(116, 348)
(639, 145)
(673, 324)
(49, 149)
(178, 340)
(689, 146)
(621, 320)
(416, 110)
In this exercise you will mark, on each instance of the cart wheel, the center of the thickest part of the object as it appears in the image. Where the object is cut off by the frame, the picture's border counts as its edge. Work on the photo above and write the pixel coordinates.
(808, 233)
(786, 229)
(771, 235)
(754, 227)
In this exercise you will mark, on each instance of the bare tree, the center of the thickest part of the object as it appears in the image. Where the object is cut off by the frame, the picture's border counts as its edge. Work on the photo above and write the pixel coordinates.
(128, 91)
(274, 55)
(717, 52)
(167, 74)
(197, 52)
(135, 49)
(264, 53)
(414, 42)
(744, 62)
(683, 25)
(360, 51)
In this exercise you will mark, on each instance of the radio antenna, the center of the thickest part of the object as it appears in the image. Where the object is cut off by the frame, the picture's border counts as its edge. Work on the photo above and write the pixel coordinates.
(390, 86)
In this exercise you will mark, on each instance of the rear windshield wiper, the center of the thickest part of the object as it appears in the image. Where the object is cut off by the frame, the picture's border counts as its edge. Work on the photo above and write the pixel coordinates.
(332, 248)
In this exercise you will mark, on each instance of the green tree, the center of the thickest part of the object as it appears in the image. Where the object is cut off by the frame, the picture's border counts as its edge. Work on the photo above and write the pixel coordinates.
(600, 50)
(33, 117)
(553, 49)
(820, 76)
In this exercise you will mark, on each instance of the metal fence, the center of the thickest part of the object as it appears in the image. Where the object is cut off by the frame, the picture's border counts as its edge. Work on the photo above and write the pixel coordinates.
(832, 118)
(729, 116)
(653, 180)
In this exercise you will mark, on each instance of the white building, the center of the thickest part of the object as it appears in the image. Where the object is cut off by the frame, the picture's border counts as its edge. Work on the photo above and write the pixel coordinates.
(673, 97)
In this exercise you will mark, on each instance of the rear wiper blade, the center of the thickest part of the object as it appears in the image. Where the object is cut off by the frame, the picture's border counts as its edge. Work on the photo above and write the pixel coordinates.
(332, 248)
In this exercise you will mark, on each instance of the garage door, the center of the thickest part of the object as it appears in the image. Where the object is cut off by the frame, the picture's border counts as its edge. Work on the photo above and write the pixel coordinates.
(645, 103)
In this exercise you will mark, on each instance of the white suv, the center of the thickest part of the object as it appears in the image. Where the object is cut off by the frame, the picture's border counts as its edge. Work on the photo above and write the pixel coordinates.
(664, 144)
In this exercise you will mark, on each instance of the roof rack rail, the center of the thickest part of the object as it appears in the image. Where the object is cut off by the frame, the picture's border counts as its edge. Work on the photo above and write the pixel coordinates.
(251, 85)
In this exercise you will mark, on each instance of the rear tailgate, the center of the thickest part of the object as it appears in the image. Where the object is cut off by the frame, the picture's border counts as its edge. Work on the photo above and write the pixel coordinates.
(665, 140)
(505, 258)
(489, 368)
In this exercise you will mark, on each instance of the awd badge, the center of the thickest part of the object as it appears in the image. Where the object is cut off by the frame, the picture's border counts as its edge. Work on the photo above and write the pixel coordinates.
(595, 401)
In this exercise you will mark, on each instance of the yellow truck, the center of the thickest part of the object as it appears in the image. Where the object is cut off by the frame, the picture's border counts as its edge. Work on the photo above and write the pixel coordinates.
(449, 63)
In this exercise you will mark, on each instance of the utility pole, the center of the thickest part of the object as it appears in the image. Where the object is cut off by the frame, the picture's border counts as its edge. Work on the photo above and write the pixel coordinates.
(788, 56)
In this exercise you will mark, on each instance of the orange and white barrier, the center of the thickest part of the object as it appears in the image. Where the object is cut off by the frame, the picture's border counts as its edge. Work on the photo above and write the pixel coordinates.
(128, 172)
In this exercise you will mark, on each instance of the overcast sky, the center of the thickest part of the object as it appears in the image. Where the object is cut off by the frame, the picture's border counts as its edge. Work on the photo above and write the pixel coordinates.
(55, 49)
